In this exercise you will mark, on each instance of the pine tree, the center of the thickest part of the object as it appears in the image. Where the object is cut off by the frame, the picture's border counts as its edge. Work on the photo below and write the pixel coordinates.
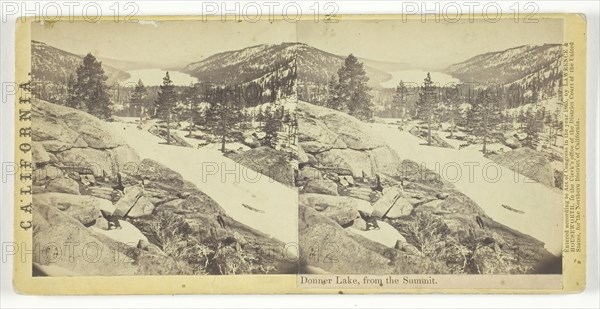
(521, 118)
(399, 101)
(271, 128)
(246, 120)
(293, 132)
(332, 101)
(484, 116)
(532, 128)
(452, 99)
(165, 102)
(223, 116)
(260, 117)
(91, 88)
(138, 99)
(535, 89)
(191, 98)
(353, 91)
(426, 104)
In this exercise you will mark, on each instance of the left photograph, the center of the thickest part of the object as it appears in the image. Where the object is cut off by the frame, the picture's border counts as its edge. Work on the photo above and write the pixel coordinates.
(164, 148)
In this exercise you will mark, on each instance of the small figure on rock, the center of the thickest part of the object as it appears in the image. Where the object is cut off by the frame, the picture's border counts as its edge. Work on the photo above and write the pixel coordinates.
(112, 220)
(370, 220)
(113, 223)
(377, 187)
(119, 186)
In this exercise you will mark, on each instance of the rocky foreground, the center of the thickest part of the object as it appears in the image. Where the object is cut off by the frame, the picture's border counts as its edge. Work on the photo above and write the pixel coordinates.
(362, 209)
(532, 164)
(119, 215)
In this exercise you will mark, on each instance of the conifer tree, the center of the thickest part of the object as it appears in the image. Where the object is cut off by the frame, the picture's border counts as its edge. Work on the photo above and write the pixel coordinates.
(521, 118)
(138, 99)
(452, 100)
(532, 127)
(352, 89)
(332, 101)
(191, 98)
(484, 116)
(165, 102)
(272, 126)
(399, 101)
(260, 116)
(91, 88)
(224, 115)
(426, 104)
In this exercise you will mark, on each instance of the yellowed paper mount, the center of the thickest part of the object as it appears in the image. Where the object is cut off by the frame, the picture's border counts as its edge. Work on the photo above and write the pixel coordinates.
(351, 154)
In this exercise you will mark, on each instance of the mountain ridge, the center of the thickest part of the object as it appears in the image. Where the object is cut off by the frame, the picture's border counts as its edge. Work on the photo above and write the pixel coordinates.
(308, 60)
(507, 66)
(70, 61)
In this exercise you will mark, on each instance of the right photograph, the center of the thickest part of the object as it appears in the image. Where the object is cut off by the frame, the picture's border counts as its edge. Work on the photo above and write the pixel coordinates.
(430, 147)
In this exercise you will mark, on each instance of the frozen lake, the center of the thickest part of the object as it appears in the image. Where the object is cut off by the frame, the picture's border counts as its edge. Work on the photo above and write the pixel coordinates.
(416, 77)
(154, 77)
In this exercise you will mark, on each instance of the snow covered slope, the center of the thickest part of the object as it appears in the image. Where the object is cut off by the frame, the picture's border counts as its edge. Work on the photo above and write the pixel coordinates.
(488, 184)
(507, 66)
(250, 198)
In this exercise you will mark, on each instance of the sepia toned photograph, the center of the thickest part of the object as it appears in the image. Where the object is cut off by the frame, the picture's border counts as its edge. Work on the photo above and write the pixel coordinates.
(331, 154)
(430, 148)
(161, 148)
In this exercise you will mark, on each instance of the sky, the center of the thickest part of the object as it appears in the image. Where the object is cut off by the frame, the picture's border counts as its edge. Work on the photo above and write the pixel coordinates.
(427, 45)
(166, 43)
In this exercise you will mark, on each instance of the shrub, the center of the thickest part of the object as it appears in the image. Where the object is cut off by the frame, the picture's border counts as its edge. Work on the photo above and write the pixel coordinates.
(192, 251)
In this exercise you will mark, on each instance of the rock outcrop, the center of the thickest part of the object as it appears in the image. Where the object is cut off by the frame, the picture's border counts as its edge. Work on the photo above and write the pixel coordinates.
(91, 190)
(134, 204)
(341, 209)
(341, 142)
(392, 205)
(409, 220)
(527, 162)
(56, 233)
(267, 161)
(76, 141)
(326, 245)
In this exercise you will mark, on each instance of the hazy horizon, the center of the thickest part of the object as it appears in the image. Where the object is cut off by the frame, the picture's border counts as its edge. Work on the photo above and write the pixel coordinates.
(426, 45)
(170, 44)
(165, 43)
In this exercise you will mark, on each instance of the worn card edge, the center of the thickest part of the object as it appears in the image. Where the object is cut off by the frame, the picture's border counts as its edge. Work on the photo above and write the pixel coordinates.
(574, 264)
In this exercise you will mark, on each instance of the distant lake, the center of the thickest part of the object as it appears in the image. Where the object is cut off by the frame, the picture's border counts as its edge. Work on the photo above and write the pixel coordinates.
(416, 77)
(154, 77)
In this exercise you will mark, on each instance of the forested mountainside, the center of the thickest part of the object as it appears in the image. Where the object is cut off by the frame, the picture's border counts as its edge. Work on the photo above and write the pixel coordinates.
(532, 71)
(317, 66)
(271, 67)
(51, 67)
